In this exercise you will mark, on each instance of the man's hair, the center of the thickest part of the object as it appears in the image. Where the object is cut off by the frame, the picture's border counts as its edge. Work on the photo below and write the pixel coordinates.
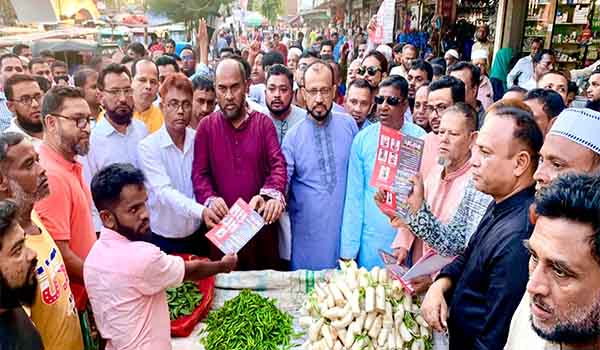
(538, 56)
(96, 61)
(361, 84)
(225, 49)
(527, 132)
(272, 57)
(457, 87)
(46, 53)
(189, 47)
(134, 65)
(7, 140)
(380, 57)
(309, 54)
(321, 63)
(552, 101)
(127, 59)
(572, 87)
(397, 82)
(176, 81)
(537, 40)
(107, 184)
(113, 68)
(574, 197)
(410, 47)
(475, 71)
(170, 41)
(8, 55)
(167, 61)
(505, 103)
(280, 69)
(58, 63)
(596, 71)
(516, 88)
(424, 66)
(438, 70)
(36, 60)
(173, 56)
(556, 72)
(327, 43)
(10, 83)
(137, 48)
(44, 83)
(8, 215)
(81, 76)
(467, 112)
(440, 61)
(397, 48)
(203, 83)
(54, 99)
(18, 49)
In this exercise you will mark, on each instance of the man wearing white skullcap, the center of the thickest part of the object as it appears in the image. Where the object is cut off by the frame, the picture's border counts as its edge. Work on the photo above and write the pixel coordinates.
(571, 146)
(486, 92)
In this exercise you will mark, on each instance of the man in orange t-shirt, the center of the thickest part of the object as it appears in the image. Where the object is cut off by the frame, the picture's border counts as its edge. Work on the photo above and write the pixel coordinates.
(67, 211)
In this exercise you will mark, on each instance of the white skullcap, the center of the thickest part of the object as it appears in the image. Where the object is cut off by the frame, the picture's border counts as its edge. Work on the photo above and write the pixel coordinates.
(386, 51)
(479, 55)
(396, 71)
(453, 53)
(580, 125)
(295, 51)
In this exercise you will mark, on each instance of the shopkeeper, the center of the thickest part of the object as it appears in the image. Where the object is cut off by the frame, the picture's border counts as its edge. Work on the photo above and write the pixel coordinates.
(125, 276)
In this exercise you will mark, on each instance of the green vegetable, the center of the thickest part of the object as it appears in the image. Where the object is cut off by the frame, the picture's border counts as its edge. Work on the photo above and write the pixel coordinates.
(248, 322)
(183, 300)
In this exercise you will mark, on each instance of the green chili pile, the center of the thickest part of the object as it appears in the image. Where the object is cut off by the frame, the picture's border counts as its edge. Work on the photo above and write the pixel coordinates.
(183, 300)
(248, 322)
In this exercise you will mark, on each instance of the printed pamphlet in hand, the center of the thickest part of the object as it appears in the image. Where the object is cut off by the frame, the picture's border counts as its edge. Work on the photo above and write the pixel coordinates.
(237, 228)
(398, 159)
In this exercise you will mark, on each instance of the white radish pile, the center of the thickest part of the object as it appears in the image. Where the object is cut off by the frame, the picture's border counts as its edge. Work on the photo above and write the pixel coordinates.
(358, 309)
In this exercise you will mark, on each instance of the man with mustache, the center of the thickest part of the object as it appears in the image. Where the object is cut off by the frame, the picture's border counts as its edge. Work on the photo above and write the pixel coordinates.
(237, 155)
(166, 160)
(67, 211)
(279, 94)
(359, 102)
(24, 100)
(317, 152)
(17, 283)
(364, 228)
(115, 137)
(125, 275)
(24, 179)
(205, 99)
(10, 65)
(145, 85)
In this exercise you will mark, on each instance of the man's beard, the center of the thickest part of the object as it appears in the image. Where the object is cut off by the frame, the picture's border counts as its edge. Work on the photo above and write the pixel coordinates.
(232, 115)
(319, 117)
(29, 126)
(581, 327)
(131, 233)
(72, 144)
(120, 118)
(11, 298)
(281, 111)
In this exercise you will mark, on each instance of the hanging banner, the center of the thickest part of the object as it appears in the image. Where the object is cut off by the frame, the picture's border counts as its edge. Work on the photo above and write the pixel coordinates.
(382, 25)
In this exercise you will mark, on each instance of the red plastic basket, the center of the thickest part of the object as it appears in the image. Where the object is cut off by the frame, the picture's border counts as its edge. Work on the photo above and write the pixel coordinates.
(183, 326)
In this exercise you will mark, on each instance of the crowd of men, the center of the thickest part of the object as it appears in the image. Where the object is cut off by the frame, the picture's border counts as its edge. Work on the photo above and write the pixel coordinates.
(107, 174)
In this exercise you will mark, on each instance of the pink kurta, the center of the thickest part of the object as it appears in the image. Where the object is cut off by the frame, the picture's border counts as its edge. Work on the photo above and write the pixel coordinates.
(430, 153)
(486, 92)
(443, 196)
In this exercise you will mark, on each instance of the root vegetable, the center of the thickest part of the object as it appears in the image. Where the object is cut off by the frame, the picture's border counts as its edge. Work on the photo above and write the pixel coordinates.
(305, 322)
(359, 344)
(344, 322)
(407, 302)
(343, 287)
(379, 298)
(360, 321)
(421, 321)
(315, 329)
(334, 313)
(370, 299)
(327, 336)
(418, 345)
(383, 337)
(383, 276)
(337, 295)
(338, 346)
(404, 333)
(376, 328)
(354, 303)
(369, 320)
(392, 339)
(375, 274)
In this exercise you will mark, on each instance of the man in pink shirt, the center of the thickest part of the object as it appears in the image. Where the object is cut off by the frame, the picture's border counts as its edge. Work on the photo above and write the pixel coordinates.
(126, 276)
(445, 184)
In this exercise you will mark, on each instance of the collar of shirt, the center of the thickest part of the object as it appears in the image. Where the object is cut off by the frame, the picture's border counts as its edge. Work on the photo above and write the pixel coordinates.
(166, 140)
(244, 124)
(324, 123)
(458, 172)
(515, 200)
(107, 234)
(105, 128)
(2, 95)
(46, 151)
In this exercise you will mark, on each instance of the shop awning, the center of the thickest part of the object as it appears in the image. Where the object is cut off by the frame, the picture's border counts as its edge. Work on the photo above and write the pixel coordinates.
(315, 15)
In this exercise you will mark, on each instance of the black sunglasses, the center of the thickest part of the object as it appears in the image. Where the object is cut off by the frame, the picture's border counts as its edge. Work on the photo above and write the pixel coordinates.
(373, 70)
(391, 100)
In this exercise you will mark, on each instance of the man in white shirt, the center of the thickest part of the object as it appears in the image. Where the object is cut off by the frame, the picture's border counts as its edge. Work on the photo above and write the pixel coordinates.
(116, 136)
(166, 160)
(523, 70)
(24, 98)
(543, 62)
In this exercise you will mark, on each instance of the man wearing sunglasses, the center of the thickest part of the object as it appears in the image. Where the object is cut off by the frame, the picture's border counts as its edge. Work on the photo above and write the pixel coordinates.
(365, 229)
(374, 68)
(25, 100)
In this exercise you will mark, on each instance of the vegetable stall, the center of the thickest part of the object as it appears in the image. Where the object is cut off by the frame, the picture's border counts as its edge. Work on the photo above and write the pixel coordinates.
(349, 308)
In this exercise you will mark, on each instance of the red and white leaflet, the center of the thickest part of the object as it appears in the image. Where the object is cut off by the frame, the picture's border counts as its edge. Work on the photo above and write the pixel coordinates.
(386, 163)
(429, 264)
(237, 228)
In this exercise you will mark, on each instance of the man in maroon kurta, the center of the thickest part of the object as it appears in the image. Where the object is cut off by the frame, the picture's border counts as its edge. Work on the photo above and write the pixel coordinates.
(237, 155)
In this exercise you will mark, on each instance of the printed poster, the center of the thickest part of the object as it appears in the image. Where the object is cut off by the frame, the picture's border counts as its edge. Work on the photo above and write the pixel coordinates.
(383, 31)
(236, 229)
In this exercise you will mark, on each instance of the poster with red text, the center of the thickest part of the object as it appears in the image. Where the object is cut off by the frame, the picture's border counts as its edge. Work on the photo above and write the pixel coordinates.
(237, 228)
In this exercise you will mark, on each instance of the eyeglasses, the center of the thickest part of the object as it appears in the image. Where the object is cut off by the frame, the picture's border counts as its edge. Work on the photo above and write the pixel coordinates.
(118, 92)
(174, 105)
(322, 91)
(439, 109)
(81, 122)
(372, 70)
(187, 58)
(391, 100)
(27, 100)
